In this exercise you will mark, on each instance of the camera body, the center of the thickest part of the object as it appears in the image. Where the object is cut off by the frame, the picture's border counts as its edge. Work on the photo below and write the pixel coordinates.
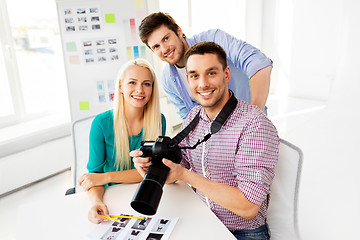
(147, 197)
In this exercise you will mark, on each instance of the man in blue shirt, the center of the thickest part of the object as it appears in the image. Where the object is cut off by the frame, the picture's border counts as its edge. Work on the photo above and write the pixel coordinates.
(250, 69)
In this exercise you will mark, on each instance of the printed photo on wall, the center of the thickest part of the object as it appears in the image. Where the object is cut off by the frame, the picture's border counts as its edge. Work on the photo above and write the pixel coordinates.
(101, 50)
(81, 19)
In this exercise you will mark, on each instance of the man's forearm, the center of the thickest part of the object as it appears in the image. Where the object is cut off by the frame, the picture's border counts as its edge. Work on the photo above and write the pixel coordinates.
(260, 86)
(224, 195)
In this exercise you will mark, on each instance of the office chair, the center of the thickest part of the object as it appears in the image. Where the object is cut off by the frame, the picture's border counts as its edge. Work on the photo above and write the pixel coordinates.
(80, 135)
(282, 211)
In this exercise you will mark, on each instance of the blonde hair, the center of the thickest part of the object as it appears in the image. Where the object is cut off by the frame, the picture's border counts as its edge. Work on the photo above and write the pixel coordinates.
(152, 115)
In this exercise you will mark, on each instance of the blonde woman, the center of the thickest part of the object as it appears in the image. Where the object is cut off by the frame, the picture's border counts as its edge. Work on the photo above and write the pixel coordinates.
(135, 117)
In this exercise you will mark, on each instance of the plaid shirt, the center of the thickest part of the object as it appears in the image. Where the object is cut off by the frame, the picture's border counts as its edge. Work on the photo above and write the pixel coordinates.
(242, 154)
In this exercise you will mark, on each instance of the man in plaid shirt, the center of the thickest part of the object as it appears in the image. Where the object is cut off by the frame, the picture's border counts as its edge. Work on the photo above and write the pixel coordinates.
(233, 170)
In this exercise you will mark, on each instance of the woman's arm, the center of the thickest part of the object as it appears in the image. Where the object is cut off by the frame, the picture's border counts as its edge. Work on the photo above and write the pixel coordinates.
(90, 180)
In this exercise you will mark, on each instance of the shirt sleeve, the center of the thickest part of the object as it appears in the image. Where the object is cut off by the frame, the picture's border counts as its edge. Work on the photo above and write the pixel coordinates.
(256, 158)
(163, 125)
(178, 103)
(97, 150)
(243, 55)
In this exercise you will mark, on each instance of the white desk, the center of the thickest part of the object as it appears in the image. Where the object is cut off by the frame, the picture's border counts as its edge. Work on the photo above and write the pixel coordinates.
(66, 218)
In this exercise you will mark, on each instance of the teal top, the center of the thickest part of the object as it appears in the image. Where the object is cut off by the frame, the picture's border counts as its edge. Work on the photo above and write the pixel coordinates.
(102, 153)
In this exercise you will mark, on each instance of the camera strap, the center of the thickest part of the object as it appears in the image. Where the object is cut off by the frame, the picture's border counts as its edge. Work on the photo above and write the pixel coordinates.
(215, 126)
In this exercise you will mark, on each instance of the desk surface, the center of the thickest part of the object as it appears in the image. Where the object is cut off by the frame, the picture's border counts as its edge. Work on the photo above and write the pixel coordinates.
(66, 217)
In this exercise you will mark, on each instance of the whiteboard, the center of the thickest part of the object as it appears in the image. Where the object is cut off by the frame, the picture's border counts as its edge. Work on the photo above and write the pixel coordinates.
(97, 38)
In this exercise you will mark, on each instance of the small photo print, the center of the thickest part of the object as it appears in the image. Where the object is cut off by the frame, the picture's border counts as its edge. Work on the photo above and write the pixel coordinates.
(154, 236)
(67, 11)
(101, 50)
(161, 225)
(141, 224)
(100, 42)
(112, 41)
(95, 27)
(115, 57)
(70, 28)
(111, 85)
(88, 52)
(95, 19)
(81, 11)
(102, 98)
(87, 44)
(69, 20)
(94, 10)
(102, 59)
(111, 50)
(123, 222)
(112, 233)
(100, 87)
(83, 28)
(111, 96)
(133, 235)
(89, 60)
(82, 19)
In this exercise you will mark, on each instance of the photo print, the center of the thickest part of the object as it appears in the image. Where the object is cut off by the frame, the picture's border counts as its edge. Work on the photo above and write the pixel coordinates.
(154, 236)
(112, 233)
(161, 225)
(141, 224)
(134, 235)
(101, 50)
(82, 19)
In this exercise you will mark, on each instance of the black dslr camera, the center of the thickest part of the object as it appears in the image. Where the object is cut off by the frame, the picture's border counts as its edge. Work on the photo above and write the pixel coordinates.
(147, 197)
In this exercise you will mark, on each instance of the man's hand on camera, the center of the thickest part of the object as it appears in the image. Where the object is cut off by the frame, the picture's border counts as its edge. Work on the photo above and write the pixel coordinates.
(176, 171)
(141, 163)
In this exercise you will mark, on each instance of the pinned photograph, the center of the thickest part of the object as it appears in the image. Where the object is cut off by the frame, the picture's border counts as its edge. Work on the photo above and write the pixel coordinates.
(70, 28)
(102, 59)
(87, 44)
(102, 98)
(89, 60)
(82, 19)
(94, 10)
(101, 50)
(100, 42)
(69, 20)
(112, 41)
(67, 11)
(95, 19)
(111, 50)
(83, 28)
(115, 57)
(95, 27)
(81, 11)
(88, 52)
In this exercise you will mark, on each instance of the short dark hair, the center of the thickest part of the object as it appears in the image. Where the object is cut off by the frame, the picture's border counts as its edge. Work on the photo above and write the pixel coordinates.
(207, 47)
(153, 21)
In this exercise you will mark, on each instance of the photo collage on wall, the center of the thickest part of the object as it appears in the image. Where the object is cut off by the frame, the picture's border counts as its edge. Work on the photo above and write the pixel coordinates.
(100, 50)
(105, 93)
(135, 229)
(81, 19)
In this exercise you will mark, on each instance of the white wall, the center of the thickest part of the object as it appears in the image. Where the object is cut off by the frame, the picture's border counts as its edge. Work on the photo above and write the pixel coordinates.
(302, 37)
(31, 165)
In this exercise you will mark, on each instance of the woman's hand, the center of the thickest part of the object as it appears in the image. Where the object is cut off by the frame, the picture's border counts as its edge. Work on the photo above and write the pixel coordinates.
(141, 163)
(95, 211)
(89, 180)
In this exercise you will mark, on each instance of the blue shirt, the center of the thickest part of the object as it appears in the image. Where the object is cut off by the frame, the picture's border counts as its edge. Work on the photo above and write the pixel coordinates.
(243, 59)
(102, 152)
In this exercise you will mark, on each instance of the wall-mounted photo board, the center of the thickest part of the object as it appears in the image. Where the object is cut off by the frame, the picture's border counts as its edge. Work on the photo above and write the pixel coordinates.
(98, 36)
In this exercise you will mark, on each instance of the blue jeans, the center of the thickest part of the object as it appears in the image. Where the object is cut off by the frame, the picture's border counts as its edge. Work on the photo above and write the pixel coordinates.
(260, 233)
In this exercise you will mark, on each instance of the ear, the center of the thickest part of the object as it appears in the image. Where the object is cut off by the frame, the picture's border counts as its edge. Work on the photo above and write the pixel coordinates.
(227, 74)
(179, 32)
(120, 88)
